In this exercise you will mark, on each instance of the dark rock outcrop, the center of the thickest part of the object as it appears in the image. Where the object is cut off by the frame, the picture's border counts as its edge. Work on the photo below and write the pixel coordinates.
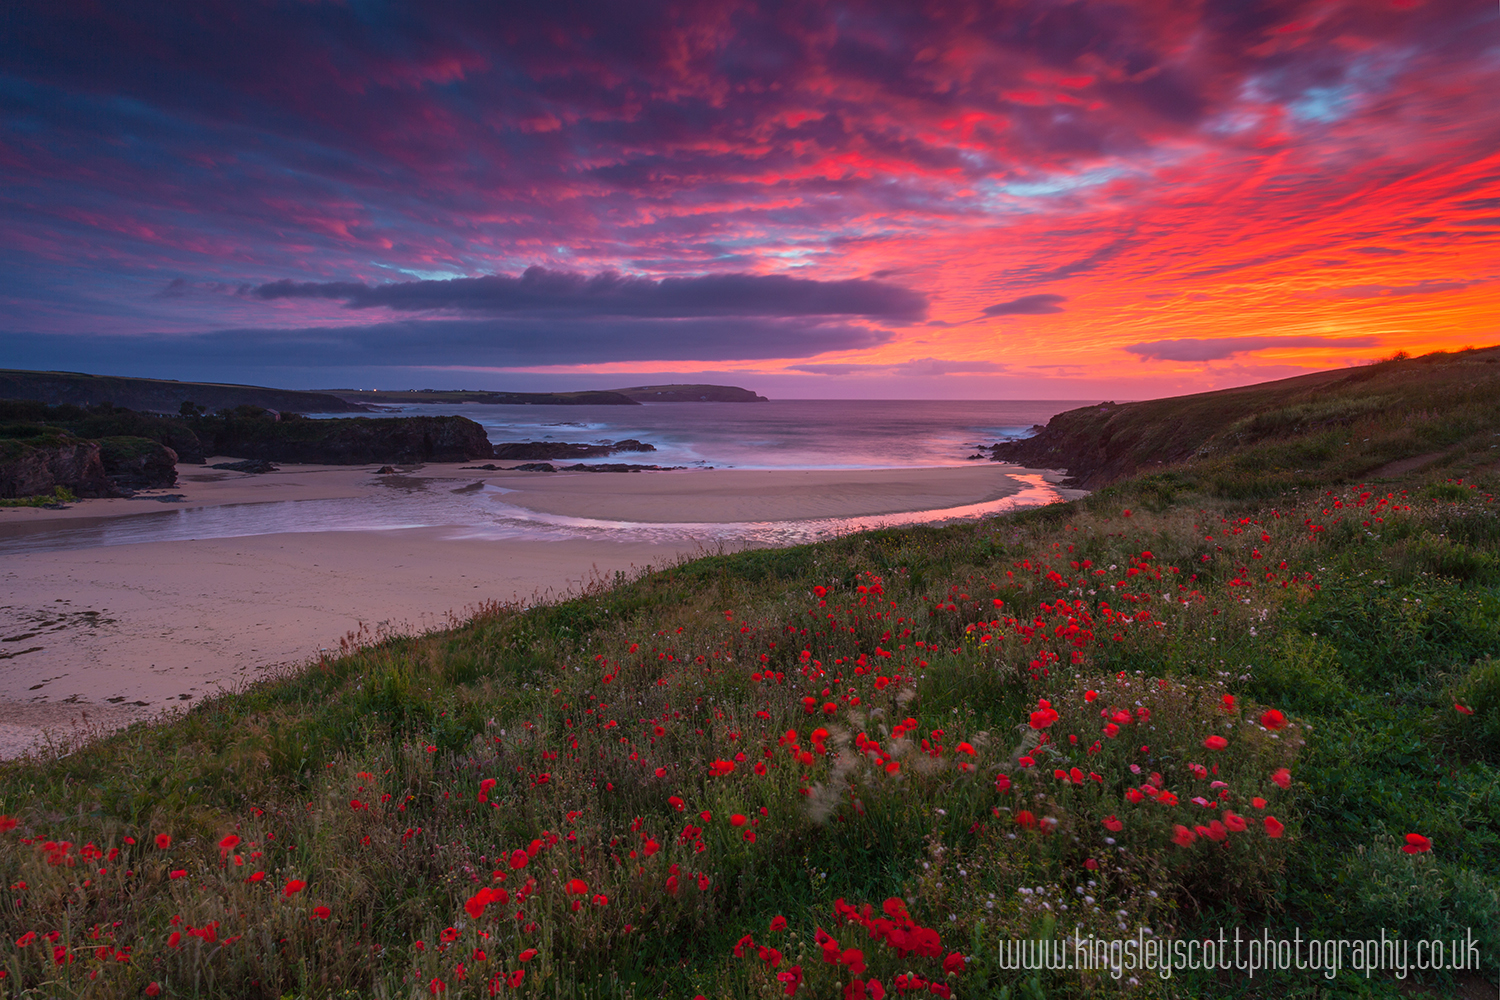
(255, 466)
(519, 451)
(38, 466)
(136, 463)
(248, 433)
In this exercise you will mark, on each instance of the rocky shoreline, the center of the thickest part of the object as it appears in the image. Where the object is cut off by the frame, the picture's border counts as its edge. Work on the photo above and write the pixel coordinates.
(105, 451)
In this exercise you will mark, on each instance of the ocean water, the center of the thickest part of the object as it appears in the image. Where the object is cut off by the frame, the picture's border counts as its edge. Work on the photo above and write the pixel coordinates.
(782, 434)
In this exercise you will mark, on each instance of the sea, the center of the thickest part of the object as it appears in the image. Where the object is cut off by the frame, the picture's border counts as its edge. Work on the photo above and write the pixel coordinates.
(779, 434)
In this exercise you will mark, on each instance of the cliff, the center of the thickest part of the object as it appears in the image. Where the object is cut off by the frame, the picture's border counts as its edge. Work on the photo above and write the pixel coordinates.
(161, 395)
(35, 464)
(691, 394)
(250, 433)
(1349, 422)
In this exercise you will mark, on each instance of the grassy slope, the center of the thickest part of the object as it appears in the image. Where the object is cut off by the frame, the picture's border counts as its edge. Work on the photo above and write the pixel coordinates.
(1346, 423)
(1363, 613)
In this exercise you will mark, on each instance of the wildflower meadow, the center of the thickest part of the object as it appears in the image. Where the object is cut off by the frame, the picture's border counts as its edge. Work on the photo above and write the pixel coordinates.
(853, 769)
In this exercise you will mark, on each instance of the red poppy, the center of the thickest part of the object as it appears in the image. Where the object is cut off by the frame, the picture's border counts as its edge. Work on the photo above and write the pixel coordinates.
(1044, 716)
(1234, 822)
(1466, 710)
(1282, 777)
(854, 959)
(1273, 827)
(1416, 844)
(519, 858)
(163, 840)
(153, 990)
(601, 900)
(953, 964)
(1112, 824)
(1026, 819)
(778, 923)
(1258, 802)
(677, 803)
(229, 843)
(1215, 742)
(738, 819)
(1273, 719)
(527, 955)
(515, 979)
(293, 887)
(321, 913)
(578, 887)
(1182, 836)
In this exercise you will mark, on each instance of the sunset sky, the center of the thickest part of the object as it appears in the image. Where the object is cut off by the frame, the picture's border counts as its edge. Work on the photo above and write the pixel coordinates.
(974, 200)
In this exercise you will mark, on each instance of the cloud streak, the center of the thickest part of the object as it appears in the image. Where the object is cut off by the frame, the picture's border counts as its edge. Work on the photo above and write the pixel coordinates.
(1194, 349)
(609, 293)
(1028, 305)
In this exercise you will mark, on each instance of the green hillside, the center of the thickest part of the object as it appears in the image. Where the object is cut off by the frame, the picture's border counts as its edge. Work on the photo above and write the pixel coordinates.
(1231, 695)
(1350, 423)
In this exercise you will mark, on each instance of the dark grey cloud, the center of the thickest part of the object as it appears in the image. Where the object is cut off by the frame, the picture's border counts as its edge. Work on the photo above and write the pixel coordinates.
(1195, 349)
(499, 342)
(1028, 305)
(610, 293)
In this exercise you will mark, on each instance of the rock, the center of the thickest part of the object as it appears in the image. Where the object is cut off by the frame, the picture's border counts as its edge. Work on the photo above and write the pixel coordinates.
(346, 441)
(535, 467)
(137, 463)
(620, 467)
(522, 450)
(386, 470)
(40, 465)
(254, 465)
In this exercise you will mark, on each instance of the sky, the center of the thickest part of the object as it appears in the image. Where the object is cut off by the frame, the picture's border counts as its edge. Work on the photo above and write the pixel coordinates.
(1015, 199)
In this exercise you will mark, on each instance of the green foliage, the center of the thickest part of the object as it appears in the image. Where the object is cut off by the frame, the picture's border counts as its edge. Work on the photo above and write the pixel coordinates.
(1478, 690)
(1302, 674)
(59, 495)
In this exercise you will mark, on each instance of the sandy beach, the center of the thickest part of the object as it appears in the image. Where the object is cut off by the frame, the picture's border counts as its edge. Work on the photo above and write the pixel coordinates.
(99, 636)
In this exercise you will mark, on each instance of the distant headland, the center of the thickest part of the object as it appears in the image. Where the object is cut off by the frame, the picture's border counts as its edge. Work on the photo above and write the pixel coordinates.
(632, 396)
(149, 395)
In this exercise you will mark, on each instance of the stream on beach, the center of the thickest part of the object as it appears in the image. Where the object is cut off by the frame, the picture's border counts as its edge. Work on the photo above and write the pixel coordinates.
(469, 513)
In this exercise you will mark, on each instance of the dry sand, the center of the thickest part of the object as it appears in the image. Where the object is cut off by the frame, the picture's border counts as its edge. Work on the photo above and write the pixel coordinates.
(99, 637)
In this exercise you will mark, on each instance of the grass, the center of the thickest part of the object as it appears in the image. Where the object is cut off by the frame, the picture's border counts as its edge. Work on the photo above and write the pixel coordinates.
(1255, 442)
(625, 794)
(59, 495)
